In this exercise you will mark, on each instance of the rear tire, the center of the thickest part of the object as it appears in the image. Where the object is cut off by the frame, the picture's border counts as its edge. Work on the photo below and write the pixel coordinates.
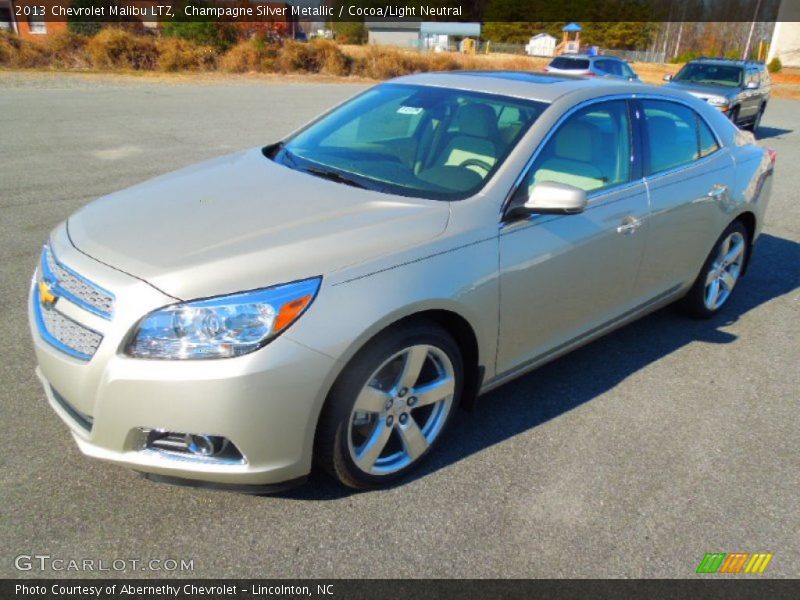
(720, 274)
(390, 406)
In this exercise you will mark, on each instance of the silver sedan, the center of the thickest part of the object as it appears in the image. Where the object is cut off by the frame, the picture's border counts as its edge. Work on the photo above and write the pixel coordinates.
(333, 297)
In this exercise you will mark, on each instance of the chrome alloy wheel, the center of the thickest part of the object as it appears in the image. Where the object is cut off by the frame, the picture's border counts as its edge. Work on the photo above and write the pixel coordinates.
(724, 271)
(401, 410)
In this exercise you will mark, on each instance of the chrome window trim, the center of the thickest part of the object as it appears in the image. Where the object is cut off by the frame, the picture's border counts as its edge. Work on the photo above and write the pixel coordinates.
(53, 282)
(644, 179)
(590, 195)
(692, 165)
(699, 159)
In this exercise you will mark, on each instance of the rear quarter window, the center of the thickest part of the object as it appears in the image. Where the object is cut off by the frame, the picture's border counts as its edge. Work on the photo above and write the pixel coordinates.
(708, 143)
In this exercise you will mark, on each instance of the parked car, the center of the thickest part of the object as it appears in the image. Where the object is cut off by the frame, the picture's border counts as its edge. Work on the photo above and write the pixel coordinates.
(334, 296)
(591, 66)
(738, 88)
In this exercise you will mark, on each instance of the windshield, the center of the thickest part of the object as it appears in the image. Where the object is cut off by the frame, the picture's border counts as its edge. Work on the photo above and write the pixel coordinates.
(725, 75)
(420, 141)
(570, 64)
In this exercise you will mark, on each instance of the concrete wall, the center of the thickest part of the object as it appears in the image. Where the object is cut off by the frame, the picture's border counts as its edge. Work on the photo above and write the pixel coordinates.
(786, 38)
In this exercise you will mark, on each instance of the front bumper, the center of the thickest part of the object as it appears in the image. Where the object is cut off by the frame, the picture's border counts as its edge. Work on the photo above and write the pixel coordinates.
(266, 402)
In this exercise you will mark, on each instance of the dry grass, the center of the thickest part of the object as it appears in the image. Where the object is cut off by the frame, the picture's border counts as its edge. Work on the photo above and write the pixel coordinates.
(114, 49)
(179, 55)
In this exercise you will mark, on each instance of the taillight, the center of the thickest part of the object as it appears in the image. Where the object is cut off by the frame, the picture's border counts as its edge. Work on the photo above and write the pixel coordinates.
(773, 155)
(590, 74)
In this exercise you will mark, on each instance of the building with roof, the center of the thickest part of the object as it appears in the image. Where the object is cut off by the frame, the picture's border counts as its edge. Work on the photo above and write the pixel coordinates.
(786, 35)
(542, 44)
(29, 27)
(439, 35)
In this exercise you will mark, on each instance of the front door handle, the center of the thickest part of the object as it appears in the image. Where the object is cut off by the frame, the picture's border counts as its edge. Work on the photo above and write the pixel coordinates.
(629, 225)
(717, 191)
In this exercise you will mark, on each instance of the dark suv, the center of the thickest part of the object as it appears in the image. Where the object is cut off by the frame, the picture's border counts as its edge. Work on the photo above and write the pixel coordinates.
(736, 87)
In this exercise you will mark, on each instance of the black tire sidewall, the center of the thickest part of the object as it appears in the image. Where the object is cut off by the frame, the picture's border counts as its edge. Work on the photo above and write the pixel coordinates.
(332, 442)
(694, 301)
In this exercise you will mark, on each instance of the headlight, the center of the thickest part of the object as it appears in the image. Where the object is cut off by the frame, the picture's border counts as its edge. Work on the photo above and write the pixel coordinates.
(221, 327)
(718, 101)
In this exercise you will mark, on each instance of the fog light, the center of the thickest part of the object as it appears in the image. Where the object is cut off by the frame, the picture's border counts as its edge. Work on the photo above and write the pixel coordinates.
(188, 446)
(205, 445)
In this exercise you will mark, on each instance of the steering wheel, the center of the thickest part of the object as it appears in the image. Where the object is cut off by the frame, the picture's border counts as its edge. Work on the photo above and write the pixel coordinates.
(477, 162)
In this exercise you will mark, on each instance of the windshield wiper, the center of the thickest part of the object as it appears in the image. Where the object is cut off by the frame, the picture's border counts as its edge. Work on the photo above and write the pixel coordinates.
(334, 176)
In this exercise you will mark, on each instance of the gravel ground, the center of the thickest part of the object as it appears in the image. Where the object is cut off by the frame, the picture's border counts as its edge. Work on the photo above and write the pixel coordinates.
(631, 457)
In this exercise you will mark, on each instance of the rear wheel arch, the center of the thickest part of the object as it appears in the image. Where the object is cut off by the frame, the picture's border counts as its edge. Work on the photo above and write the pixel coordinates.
(748, 219)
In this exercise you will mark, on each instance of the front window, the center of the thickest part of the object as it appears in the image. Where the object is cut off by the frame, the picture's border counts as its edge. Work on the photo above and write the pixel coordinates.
(591, 150)
(421, 141)
(710, 74)
(627, 71)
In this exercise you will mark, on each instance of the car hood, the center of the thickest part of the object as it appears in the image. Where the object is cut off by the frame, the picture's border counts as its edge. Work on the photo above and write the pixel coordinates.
(703, 90)
(243, 222)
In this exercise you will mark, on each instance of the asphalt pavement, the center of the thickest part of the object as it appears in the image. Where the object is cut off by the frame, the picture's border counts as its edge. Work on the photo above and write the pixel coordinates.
(631, 457)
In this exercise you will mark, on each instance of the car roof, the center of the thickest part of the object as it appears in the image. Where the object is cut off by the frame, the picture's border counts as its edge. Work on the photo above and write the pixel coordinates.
(543, 87)
(589, 56)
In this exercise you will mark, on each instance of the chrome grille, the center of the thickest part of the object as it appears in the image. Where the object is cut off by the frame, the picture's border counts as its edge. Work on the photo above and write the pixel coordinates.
(75, 288)
(65, 334)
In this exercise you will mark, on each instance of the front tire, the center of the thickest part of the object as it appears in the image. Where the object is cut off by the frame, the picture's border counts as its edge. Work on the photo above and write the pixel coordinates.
(734, 116)
(757, 120)
(390, 406)
(720, 273)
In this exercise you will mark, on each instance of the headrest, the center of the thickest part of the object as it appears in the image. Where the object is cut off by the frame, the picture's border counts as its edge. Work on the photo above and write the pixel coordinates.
(575, 141)
(477, 120)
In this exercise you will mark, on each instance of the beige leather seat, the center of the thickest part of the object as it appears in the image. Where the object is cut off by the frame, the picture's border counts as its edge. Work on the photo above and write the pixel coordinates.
(573, 157)
(475, 139)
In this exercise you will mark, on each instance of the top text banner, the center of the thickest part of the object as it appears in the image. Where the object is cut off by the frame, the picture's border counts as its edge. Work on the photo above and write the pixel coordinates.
(394, 11)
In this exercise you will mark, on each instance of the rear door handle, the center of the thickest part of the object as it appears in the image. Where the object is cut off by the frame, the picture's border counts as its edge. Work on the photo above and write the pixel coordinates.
(629, 225)
(717, 191)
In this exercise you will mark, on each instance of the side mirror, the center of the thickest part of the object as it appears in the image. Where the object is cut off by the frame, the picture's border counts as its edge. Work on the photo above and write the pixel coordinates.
(667, 77)
(751, 85)
(551, 198)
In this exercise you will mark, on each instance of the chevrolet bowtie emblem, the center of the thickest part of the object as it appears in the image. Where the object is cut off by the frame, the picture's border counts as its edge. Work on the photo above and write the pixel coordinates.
(46, 297)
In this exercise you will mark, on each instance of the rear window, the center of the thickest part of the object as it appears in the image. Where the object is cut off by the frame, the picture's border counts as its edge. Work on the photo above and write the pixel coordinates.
(570, 64)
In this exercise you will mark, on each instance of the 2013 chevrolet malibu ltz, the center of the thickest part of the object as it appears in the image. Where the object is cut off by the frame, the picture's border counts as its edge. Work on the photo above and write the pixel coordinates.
(333, 297)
